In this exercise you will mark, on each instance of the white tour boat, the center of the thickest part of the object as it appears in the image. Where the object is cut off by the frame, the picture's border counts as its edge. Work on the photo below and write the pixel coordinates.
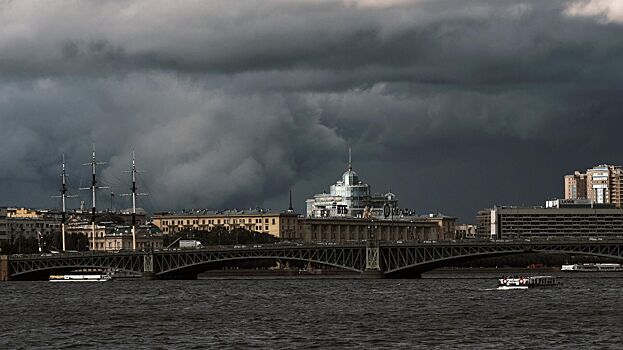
(81, 278)
(520, 282)
(592, 267)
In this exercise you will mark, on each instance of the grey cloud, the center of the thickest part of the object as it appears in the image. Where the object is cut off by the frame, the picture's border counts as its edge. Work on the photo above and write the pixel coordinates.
(227, 104)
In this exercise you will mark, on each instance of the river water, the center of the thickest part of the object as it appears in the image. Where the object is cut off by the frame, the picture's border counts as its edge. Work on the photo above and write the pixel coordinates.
(438, 311)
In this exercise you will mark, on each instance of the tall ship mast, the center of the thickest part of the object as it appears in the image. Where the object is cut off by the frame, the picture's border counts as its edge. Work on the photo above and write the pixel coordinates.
(93, 189)
(134, 194)
(63, 198)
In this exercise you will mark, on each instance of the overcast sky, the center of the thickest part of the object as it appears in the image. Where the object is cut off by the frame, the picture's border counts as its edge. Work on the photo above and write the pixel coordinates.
(454, 105)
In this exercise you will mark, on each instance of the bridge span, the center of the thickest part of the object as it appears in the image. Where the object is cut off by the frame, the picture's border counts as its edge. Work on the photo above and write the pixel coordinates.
(371, 259)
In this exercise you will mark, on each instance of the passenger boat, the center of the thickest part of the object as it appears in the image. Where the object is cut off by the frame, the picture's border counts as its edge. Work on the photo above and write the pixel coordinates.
(515, 282)
(592, 268)
(81, 278)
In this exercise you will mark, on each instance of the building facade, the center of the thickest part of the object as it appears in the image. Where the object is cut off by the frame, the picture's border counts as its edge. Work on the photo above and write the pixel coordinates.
(575, 186)
(271, 222)
(342, 230)
(604, 184)
(23, 222)
(601, 184)
(562, 220)
(350, 198)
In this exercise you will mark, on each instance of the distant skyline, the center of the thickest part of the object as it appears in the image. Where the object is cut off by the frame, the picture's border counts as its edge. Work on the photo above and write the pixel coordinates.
(454, 105)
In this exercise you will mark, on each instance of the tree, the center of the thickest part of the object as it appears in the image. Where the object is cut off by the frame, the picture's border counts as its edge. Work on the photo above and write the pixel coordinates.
(221, 236)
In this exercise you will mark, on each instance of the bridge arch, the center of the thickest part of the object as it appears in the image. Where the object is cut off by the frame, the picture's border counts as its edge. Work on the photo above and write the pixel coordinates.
(417, 268)
(190, 271)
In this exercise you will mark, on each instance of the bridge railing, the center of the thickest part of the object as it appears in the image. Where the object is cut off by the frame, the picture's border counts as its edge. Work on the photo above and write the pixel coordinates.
(362, 243)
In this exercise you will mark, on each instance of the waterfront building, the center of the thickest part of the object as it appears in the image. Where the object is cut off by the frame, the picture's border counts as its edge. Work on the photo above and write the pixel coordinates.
(351, 212)
(259, 220)
(343, 229)
(558, 219)
(24, 222)
(350, 198)
(601, 184)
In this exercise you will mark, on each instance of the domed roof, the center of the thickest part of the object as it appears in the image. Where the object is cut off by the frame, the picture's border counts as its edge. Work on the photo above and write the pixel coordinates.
(350, 177)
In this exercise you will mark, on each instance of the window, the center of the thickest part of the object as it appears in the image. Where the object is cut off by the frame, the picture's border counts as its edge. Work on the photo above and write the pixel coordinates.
(266, 228)
(273, 221)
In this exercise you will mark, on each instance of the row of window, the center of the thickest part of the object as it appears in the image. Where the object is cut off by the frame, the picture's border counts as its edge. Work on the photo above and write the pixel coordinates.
(33, 225)
(217, 221)
(172, 229)
(353, 236)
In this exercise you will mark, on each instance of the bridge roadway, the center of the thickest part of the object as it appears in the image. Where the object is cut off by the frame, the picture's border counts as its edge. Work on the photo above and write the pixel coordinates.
(371, 259)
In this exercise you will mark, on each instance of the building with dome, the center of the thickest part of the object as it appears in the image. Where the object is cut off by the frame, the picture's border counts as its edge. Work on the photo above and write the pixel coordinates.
(351, 198)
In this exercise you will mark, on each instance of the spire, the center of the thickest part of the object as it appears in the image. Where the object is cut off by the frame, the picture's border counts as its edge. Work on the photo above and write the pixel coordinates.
(290, 209)
(350, 160)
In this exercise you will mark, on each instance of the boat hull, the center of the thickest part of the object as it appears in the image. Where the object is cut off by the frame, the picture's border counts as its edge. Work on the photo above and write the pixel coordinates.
(80, 278)
(512, 287)
(605, 267)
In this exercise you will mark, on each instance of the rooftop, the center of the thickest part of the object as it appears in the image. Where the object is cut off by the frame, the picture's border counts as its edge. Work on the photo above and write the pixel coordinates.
(228, 212)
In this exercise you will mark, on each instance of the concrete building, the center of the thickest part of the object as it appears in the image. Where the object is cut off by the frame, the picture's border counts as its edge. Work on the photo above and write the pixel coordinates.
(350, 198)
(601, 184)
(559, 219)
(341, 230)
(604, 184)
(265, 221)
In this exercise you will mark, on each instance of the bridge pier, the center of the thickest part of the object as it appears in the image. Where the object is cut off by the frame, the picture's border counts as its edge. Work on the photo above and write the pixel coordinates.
(4, 268)
(148, 267)
(372, 274)
(373, 265)
(149, 276)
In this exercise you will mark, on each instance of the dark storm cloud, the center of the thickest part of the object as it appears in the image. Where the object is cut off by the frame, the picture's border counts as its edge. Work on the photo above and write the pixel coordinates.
(455, 105)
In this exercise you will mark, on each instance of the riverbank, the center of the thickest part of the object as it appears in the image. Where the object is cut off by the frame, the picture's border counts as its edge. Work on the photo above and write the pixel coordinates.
(268, 273)
(498, 270)
(278, 273)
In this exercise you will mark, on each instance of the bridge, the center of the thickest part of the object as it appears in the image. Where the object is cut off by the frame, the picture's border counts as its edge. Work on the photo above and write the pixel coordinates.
(370, 259)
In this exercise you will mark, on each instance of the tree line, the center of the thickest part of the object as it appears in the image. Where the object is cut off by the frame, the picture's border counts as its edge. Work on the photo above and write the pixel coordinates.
(49, 242)
(221, 236)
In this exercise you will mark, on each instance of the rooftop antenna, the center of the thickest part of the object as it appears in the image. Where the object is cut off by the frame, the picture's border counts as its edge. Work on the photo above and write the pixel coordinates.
(93, 189)
(134, 194)
(112, 197)
(350, 160)
(290, 209)
(63, 196)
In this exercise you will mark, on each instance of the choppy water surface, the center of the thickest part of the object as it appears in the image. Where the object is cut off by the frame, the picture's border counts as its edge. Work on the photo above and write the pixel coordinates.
(444, 311)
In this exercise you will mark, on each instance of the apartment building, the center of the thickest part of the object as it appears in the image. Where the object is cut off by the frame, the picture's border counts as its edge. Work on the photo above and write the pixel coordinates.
(601, 184)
